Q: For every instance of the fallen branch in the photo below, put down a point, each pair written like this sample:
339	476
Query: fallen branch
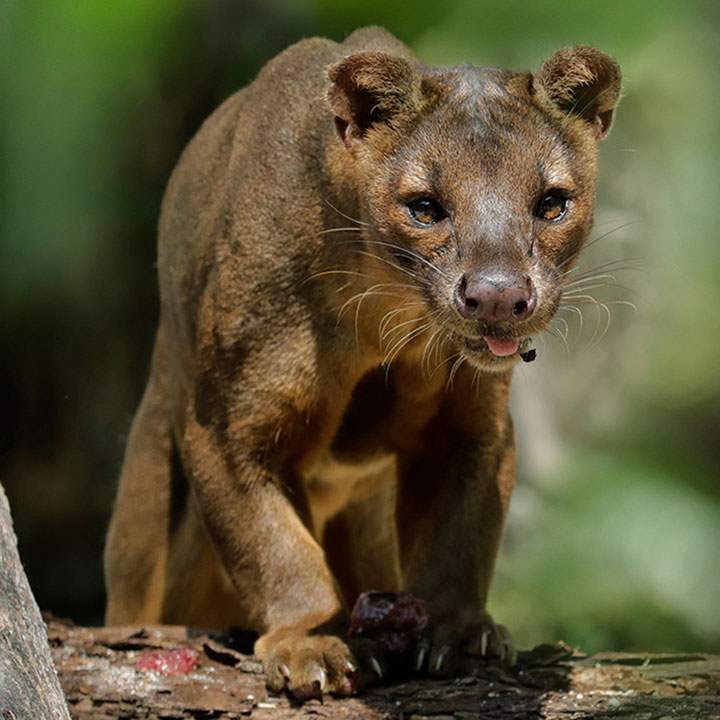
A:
101	672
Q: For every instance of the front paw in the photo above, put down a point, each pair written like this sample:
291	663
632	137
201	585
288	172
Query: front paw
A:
441	649
307	666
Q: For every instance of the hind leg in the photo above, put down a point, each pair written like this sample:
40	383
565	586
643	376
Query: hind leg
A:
197	589
160	566
136	546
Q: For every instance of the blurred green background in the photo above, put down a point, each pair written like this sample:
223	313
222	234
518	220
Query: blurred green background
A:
614	537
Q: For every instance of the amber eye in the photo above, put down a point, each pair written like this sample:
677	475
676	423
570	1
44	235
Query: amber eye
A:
426	211
552	206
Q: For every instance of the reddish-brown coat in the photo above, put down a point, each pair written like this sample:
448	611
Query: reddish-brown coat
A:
320	420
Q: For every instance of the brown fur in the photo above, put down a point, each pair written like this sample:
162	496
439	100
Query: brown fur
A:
316	422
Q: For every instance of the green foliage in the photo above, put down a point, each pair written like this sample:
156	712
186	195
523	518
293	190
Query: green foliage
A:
623	553
70	74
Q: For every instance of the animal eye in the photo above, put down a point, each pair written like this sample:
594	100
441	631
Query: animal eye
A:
552	206
426	211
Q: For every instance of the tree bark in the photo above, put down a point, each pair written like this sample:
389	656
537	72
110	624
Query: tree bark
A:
29	687
101	672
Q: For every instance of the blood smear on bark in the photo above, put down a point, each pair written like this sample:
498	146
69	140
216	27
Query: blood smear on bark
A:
170	662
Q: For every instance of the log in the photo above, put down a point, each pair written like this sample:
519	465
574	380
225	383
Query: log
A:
101	671
29	686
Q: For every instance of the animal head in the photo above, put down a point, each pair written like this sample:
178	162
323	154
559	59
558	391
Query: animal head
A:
477	184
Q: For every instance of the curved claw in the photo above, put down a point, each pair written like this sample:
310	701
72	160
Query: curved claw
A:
484	642
440	659
420	654
377	668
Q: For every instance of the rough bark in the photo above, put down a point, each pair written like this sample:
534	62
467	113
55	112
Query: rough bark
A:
29	686
99	670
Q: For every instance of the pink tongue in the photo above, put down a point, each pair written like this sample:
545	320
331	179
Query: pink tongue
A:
502	347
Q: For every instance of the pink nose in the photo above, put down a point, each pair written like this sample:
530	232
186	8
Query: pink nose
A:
495	298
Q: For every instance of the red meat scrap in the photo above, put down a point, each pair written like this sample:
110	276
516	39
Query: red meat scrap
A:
170	662
393	620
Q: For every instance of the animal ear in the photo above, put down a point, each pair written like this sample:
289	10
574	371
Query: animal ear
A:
370	88
581	81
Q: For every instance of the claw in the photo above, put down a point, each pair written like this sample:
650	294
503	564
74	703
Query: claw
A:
420	657
441	657
484	640
284	670
376	667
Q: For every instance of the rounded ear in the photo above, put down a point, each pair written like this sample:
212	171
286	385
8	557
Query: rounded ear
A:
580	81
369	88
